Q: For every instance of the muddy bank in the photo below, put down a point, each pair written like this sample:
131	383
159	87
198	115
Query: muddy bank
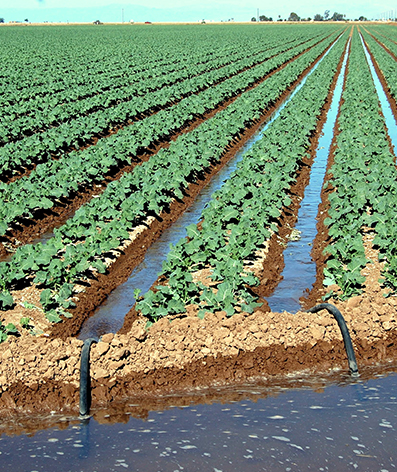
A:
181	354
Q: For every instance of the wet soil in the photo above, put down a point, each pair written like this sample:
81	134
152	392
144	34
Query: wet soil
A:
187	353
133	252
25	231
178	355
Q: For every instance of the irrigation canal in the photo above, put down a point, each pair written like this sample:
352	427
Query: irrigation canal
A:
332	423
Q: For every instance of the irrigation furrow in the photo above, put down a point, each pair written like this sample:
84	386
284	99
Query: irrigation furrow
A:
387	103
57	213
392	51
284	79
299	268
386	69
363	184
202	252
85	131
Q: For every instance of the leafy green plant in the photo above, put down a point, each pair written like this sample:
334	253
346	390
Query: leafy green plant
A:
6	330
25	322
77	248
243	214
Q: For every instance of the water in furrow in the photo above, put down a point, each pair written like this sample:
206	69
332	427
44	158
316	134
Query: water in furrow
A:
109	317
299	272
384	102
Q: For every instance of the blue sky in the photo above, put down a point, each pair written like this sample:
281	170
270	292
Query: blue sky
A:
179	10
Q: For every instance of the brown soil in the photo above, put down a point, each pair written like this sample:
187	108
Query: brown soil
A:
184	353
132	254
25	231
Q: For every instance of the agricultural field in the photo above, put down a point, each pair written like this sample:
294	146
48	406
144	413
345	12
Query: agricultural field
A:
109	134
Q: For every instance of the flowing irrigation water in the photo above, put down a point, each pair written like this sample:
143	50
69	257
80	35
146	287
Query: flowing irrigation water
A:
313	423
384	102
299	272
110	315
336	424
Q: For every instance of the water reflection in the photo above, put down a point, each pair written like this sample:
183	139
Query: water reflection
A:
384	103
324	423
122	298
299	273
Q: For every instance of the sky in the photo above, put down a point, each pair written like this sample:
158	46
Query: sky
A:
183	10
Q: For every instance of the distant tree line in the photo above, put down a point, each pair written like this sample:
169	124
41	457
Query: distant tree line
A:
317	17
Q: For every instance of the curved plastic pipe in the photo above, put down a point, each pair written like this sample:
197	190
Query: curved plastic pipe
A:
85	379
345	334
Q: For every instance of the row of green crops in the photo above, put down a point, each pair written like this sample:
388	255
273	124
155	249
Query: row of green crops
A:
102	225
364	179
200	75
385	36
97	69
386	63
55	179
79	58
39	147
94	79
104	78
244	212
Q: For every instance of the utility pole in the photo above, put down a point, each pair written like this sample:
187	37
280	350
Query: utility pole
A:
122	15
257	14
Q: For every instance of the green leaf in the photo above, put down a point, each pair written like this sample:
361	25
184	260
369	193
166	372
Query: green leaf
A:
53	317
6	300
3	228
201	314
25	322
10	328
46	299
